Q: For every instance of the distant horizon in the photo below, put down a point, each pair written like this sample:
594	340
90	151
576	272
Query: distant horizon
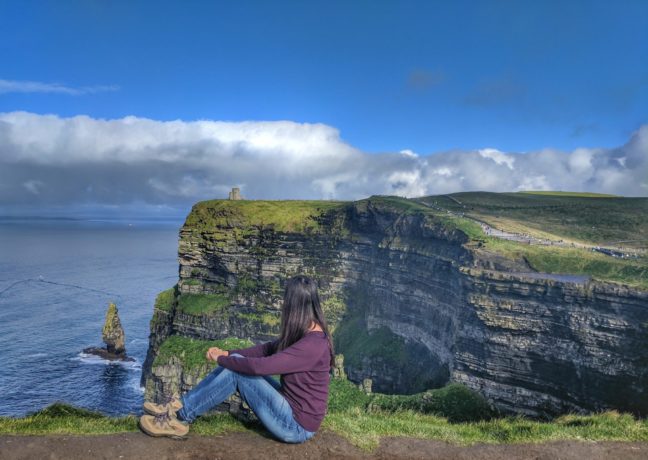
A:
145	108
181	215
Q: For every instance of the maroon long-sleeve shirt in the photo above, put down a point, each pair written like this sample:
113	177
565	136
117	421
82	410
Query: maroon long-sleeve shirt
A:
304	367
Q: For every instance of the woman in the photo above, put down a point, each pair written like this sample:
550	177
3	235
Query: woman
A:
293	408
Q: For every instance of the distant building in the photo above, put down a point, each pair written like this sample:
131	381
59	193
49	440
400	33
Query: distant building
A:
235	194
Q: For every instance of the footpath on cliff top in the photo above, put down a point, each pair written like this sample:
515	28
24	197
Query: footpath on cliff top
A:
325	445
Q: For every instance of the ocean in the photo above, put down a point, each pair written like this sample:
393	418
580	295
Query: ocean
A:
57	278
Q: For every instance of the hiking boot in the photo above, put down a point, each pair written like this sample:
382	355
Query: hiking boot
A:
169	405
163	425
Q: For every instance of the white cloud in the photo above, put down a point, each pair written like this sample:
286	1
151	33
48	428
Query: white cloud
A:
409	153
33	186
82	160
26	86
498	157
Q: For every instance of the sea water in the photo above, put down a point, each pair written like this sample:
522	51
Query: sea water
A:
57	278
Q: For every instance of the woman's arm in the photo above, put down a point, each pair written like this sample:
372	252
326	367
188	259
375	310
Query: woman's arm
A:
298	357
257	351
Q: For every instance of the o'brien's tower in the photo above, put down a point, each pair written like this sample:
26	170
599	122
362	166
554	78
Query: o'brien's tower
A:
235	194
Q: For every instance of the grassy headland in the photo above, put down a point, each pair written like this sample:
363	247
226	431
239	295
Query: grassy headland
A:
579	217
364	419
291	216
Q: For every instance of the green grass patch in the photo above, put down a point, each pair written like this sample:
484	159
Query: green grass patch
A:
581	217
203	304
361	427
456	402
345	395
191	282
406	206
550	259
393	203
60	418
334	308
247	285
63	419
164	300
365	429
561	193
289	216
191	352
266	318
353	339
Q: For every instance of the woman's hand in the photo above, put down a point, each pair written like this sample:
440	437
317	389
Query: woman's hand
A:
214	352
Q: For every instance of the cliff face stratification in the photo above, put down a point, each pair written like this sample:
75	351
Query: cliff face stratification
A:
414	302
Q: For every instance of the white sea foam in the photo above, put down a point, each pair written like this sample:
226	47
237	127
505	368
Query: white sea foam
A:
87	358
134	341
37	355
135	385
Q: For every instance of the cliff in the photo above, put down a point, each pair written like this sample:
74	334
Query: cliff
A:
416	297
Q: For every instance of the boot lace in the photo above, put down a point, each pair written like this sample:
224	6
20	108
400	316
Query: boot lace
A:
167	400
162	420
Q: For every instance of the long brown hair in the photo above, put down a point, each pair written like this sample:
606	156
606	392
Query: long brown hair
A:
301	307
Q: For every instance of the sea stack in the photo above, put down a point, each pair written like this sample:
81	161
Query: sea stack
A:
113	336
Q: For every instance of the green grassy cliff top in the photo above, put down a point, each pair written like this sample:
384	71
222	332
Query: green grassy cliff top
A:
285	216
568	218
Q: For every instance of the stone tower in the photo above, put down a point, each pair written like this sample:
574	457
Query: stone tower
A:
235	194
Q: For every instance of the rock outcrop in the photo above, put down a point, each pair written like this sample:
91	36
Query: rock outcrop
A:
414	303
113	336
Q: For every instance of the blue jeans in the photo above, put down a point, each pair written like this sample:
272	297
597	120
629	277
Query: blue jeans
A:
261	393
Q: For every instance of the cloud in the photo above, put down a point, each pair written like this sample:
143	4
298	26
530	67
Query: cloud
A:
25	86
498	157
421	79
47	161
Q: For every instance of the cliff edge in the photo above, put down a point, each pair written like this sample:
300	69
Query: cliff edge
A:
417	297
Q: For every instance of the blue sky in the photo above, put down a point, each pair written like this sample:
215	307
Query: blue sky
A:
159	104
428	76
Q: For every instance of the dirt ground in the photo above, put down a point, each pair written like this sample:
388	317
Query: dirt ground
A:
324	445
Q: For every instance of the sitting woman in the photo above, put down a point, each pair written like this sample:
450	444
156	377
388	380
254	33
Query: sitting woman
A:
293	408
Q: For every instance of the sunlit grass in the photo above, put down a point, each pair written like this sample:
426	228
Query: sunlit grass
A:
284	216
203	304
363	429
192	352
577	261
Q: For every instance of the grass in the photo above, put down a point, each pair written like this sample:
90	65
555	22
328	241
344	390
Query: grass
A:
550	259
454	401
63	419
572	216
269	319
164	300
60	418
581	217
290	216
361	427
203	304
365	429
334	308
356	342
452	414
561	193
191	352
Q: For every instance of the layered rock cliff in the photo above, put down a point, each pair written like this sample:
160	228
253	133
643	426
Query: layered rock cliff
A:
415	302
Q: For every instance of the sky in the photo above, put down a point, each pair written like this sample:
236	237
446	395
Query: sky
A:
149	106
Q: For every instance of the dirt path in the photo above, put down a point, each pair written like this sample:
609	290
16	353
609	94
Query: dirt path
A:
324	445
